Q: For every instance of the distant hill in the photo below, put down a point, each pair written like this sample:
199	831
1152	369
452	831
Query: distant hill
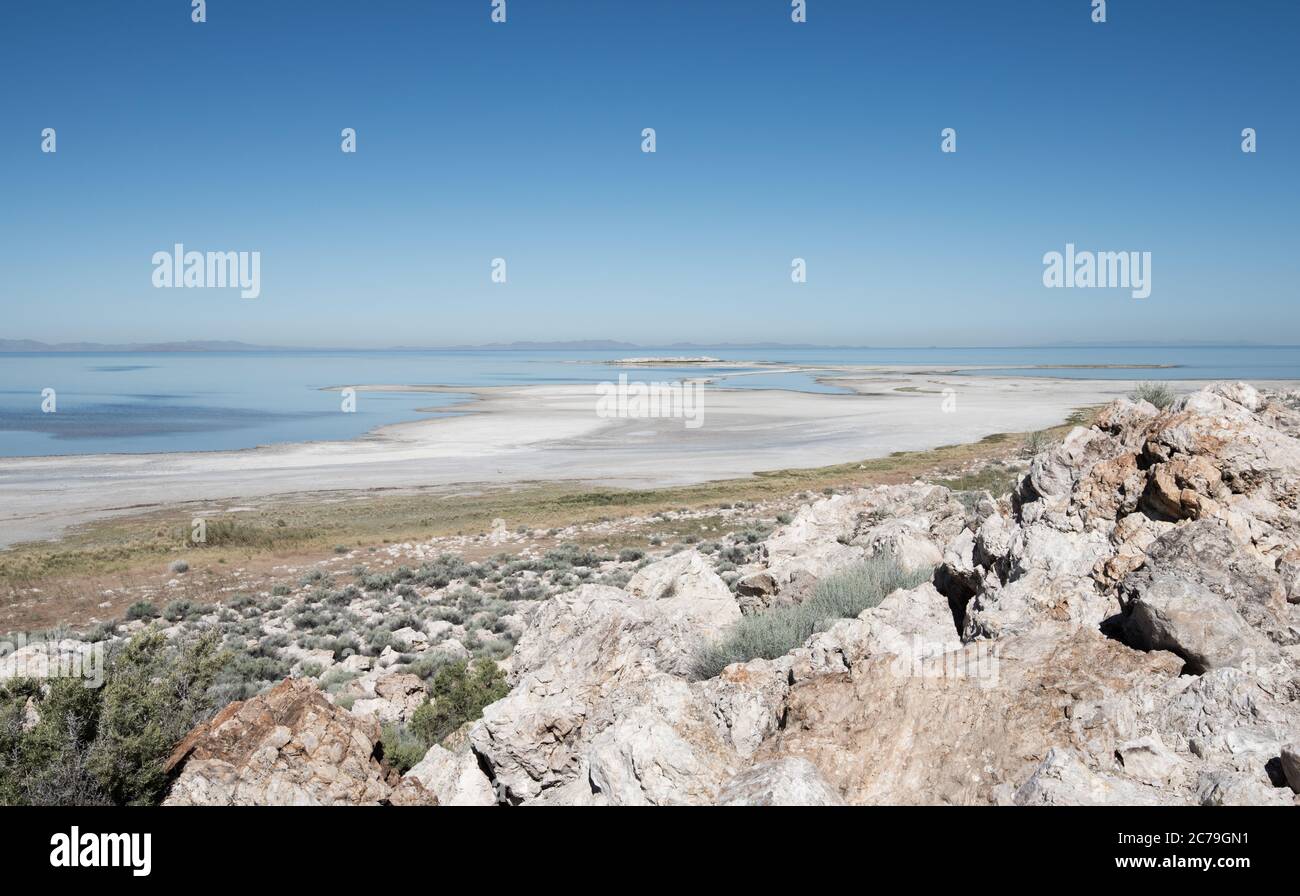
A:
746	345
574	346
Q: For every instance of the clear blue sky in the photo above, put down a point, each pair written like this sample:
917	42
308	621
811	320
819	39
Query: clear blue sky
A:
775	140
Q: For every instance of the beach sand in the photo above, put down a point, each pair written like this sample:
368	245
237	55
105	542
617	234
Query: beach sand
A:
552	433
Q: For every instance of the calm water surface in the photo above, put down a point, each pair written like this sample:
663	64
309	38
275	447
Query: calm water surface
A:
148	402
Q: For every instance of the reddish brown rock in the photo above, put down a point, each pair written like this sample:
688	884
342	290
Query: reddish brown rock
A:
289	746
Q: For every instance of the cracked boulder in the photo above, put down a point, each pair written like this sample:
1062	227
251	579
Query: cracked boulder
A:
287	747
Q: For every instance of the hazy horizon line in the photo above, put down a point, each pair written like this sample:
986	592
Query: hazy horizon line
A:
35	346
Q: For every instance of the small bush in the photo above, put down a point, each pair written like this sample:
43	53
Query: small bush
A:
1037	442
101	632
344	596
377	582
141	609
180	566
377	640
316	576
309	619
240	602
457	695
181	609
1161	395
402	749
733	554
570	555
247	673
775	633
335	679
426	665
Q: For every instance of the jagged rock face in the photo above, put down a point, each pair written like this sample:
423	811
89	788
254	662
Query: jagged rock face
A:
1063	780
585	651
665	750
1205	593
687	583
289	746
454	778
747	701
1222	452
600	696
1190	519
782	782
1149	761
1218	788
395	698
1132	503
952	727
667	609
1024	602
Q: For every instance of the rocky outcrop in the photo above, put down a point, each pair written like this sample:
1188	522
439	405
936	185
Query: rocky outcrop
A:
600	696
663	750
1119	629
287	747
1205	593
957	726
393	698
454	778
781	782
1116	631
1174	532
747	701
1149	761
1062	779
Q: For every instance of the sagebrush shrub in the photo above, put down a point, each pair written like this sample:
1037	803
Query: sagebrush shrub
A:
1161	395
841	595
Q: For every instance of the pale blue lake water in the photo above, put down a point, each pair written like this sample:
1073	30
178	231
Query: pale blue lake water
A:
149	402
